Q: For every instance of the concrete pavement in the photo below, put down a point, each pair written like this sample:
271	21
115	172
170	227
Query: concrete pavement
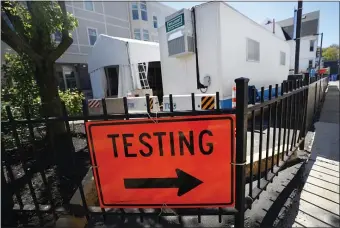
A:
319	200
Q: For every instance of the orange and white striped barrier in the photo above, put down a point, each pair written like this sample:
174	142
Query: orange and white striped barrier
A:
233	97
94	103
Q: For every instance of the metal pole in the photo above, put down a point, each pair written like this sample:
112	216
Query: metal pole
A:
241	148
297	39
320	51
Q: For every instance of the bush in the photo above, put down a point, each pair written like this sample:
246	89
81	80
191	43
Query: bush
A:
73	101
20	89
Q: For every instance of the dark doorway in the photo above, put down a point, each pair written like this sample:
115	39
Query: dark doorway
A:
155	80
112	81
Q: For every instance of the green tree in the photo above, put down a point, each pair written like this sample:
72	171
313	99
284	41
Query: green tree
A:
19	89
27	27
331	52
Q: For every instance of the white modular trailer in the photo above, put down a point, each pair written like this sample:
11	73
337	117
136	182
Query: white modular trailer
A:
123	53
229	45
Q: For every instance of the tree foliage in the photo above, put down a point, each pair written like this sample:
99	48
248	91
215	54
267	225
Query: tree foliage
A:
27	28
19	89
73	101
331	53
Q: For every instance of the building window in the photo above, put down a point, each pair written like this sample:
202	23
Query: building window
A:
57	36
67	81
253	50
135	15
146	35
70	80
89	5
136	33
282	58
311	45
155	24
92	35
143	10
310	63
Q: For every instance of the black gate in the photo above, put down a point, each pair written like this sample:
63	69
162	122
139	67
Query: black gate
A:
31	181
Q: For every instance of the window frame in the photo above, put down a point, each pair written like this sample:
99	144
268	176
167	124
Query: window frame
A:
147	32
247	49
143	10
311	47
153	21
132	9
134	34
310	65
284	59
64	78
88	35
93	10
72	76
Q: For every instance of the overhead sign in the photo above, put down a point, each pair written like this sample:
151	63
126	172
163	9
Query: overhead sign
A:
175	22
178	162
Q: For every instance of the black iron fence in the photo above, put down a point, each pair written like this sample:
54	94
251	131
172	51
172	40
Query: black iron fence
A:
267	134
284	119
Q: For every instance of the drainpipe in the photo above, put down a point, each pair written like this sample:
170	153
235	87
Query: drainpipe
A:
200	86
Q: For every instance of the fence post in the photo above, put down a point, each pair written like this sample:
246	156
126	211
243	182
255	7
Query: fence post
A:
6	201
305	106
241	147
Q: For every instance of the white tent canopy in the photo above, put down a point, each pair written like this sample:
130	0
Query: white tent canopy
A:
127	53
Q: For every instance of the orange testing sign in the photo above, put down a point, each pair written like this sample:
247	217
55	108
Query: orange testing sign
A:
178	161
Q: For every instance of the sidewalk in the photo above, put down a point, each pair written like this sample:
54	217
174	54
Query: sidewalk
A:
319	201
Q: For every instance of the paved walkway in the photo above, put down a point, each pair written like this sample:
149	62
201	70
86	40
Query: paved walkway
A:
320	198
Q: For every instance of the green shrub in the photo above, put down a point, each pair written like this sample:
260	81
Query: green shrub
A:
73	101
19	89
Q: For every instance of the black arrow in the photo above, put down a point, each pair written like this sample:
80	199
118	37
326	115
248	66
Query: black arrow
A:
184	182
